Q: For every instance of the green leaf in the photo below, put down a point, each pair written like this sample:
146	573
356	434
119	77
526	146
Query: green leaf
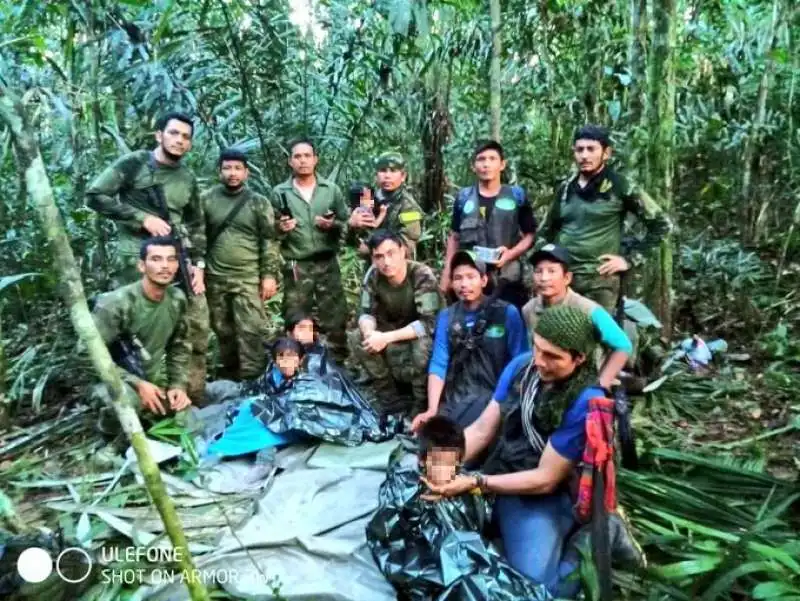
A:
400	16
614	109
771	590
683	569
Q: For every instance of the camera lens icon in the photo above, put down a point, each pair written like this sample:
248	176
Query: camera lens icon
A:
74	565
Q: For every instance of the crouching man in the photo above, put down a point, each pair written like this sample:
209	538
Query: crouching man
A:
398	310
536	428
145	326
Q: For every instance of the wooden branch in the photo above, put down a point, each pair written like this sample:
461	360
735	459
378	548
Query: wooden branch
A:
30	163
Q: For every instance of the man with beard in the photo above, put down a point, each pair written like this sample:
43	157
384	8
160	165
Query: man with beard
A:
474	340
150	318
496	217
242	272
588	216
312	221
398	310
127	193
396	208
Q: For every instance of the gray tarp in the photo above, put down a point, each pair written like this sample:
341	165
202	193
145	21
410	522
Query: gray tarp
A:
308	531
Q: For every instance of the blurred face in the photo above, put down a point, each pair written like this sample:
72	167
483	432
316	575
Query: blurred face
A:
390	179
488	165
468	283
441	464
551	279
303	332
554	363
160	265
233	174
389	258
288	363
303	160
176	139
590	156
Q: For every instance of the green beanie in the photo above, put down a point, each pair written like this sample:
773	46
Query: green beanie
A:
567	328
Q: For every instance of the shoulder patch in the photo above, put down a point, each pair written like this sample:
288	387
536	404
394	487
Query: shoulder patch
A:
409	216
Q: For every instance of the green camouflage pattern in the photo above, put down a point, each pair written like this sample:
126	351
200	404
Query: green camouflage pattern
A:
162	329
391	159
590	229
120	194
125	272
315	287
242	252
602	289
307	240
240	323
403	216
394	307
401	362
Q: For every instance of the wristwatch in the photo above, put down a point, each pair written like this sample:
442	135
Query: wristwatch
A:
200	264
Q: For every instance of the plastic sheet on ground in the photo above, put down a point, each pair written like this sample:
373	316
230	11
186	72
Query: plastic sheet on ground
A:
308	532
320	404
440	551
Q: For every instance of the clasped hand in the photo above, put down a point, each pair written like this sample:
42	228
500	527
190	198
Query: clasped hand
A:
153	398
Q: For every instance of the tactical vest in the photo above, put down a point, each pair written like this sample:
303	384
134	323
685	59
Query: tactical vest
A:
478	356
501	229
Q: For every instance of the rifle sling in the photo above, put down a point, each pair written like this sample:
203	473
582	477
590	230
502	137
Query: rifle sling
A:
215	234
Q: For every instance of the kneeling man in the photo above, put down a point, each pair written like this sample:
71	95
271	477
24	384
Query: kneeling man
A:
398	309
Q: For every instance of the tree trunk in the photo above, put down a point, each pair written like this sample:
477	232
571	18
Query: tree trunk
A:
30	163
661	104
495	71
5	402
637	98
435	131
752	215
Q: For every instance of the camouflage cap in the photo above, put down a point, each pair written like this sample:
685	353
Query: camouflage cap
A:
467	257
390	159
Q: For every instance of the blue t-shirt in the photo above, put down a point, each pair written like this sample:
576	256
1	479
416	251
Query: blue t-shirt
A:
516	338
569	438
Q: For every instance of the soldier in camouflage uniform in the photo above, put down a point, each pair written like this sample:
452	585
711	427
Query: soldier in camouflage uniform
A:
150	316
241	272
121	193
396	208
399	304
312	223
588	216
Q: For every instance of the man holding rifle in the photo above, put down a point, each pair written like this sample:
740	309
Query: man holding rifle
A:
150	193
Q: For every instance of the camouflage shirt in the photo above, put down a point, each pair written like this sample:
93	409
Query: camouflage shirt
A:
242	251
416	301
403	216
160	327
306	240
589	222
120	193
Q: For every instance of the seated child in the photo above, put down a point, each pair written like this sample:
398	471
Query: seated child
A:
287	358
442	446
302	327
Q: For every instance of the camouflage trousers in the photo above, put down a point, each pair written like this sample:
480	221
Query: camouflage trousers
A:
404	363
604	290
314	286
125	273
239	321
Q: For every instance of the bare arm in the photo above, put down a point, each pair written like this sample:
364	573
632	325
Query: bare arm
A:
450	250
482	432
553	469
611	368
435	388
519	248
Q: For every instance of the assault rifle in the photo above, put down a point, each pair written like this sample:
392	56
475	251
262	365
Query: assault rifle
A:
622	404
285	210
155	194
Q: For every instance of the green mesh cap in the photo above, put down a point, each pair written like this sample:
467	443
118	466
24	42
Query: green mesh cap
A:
467	257
391	159
567	328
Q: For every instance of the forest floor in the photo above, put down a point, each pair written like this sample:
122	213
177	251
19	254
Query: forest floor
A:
717	486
